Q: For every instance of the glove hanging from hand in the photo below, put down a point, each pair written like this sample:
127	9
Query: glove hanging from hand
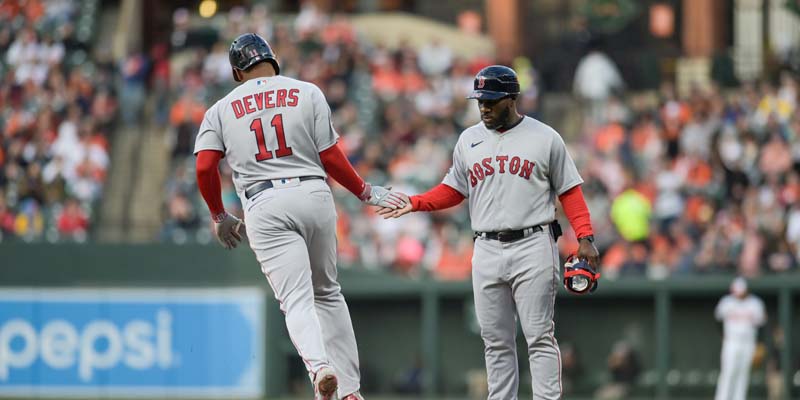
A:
579	277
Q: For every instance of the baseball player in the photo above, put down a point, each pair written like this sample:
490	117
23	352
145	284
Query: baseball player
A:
512	168
277	136
741	314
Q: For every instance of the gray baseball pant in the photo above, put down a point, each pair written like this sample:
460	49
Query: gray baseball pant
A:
518	280
292	230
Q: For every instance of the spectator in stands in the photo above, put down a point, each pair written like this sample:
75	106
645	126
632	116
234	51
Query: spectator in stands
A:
571	368
159	82
630	212
73	222
624	367
409	381
435	58
185	117
6	218
596	79
134	70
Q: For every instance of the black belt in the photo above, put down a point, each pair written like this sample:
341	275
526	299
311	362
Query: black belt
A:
510	236
259	187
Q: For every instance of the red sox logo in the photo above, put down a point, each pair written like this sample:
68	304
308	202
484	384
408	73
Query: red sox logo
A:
481	82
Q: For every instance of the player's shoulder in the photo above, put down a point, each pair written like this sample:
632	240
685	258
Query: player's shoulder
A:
755	299
214	109
308	90
235	93
474	129
473	132
540	128
286	81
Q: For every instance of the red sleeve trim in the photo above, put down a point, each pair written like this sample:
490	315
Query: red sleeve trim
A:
339	168
438	198
577	212
208	180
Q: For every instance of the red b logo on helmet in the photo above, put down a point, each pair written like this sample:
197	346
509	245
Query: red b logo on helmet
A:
481	82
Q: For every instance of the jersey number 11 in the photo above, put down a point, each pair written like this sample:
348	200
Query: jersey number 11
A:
264	153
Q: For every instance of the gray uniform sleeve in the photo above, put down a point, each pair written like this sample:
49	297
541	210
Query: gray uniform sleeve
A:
721	310
563	172
456	178
209	137
324	134
761	316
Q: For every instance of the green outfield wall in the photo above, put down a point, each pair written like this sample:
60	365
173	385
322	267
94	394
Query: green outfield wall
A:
401	322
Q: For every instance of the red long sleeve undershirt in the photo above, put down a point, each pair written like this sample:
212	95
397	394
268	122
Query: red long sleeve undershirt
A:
339	168
577	212
208	180
443	196
438	198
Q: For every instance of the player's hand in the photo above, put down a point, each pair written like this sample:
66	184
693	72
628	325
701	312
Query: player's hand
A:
387	213
383	197
587	251
228	231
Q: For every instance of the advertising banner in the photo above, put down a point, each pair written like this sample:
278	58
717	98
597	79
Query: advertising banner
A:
119	342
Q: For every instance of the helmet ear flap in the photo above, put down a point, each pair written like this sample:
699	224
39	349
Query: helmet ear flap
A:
236	75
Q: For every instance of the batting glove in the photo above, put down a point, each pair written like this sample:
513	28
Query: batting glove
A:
227	229
382	197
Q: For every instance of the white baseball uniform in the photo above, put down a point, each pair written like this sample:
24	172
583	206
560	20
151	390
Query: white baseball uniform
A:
741	319
512	180
274	129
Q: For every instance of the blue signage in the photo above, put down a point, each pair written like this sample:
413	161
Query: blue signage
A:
132	342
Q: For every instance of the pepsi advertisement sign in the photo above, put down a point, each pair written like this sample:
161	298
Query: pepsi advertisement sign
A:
132	342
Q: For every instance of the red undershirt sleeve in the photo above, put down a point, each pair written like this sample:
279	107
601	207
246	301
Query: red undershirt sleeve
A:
339	168
208	180
577	212
438	198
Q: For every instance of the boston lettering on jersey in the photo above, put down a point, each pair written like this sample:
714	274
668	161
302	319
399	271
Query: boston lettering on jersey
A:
516	166
261	100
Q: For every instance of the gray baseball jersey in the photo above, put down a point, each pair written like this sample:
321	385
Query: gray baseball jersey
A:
274	129
513	178
269	119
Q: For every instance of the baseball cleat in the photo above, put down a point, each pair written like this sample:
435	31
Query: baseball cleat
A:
325	384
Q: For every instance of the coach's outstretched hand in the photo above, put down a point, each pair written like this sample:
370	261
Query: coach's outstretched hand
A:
394	213
228	232
383	197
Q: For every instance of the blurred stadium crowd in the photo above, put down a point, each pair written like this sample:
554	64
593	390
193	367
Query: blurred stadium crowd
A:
699	182
57	112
